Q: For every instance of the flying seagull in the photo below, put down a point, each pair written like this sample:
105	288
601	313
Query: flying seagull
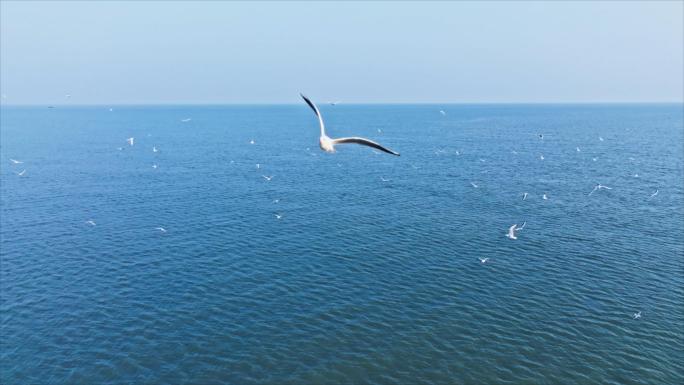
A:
484	260
327	144
130	141
442	112
163	230
92	223
511	232
14	161
599	187
544	197
278	216
524	196
186	120
652	195
637	315
21	173
268	177
154	149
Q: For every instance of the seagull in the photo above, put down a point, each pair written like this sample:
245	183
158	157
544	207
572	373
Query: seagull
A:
163	230
594	159
514	152
652	195
636	175
278	216
251	141
578	149
92	223
130	141
511	232
268	177
600	138
327	144
258	165
524	196
484	260
186	120
541	156
14	161
385	180
521	227
637	315
482	160
120	148
154	166
276	200
458	152
599	187
545	197
473	184
154	149
442	112
21	173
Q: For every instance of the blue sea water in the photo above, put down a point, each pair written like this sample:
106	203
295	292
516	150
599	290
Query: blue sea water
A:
362	280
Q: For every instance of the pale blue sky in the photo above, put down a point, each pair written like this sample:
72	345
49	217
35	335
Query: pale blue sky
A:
231	52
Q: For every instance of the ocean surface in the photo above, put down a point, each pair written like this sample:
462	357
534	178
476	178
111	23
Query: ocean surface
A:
372	274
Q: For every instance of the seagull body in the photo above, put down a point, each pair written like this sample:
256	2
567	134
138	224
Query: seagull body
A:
594	159
92	223
154	166
524	196
251	141
511	232
327	144
442	112
186	120
544	197
474	185
14	161
154	149
130	141
600	187
163	230
484	260
278	216
22	173
600	138
652	195
541	157
385	180
637	315
268	177
578	149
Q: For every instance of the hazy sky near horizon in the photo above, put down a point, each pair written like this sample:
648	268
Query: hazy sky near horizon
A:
267	52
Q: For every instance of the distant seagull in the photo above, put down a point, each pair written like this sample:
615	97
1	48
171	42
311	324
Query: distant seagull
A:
442	112
154	166
268	177
636	175
278	216
258	166
458	152
637	315
379	131
21	173
514	152
524	196
578	149
600	187
154	149
251	141
161	229
92	223
130	141
594	159
120	148
511	232
14	161
186	120
544	197
541	156
600	138
652	195
327	144
482	160
385	180
276	200
474	185
484	260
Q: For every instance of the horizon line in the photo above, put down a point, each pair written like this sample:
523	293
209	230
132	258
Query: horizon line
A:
2	104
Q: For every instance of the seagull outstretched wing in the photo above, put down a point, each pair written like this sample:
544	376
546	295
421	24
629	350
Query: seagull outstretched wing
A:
365	142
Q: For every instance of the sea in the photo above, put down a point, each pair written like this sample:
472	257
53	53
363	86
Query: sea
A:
187	265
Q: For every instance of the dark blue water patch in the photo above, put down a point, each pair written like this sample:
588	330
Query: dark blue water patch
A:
371	274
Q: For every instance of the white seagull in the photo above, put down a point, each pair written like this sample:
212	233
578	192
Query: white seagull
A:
600	187
130	141
154	165
92	223
186	120
268	177
442	112
541	156
474	185
578	149
511	232
278	216
327	144
544	197
163	230
652	195
14	161
484	260
600	138
385	180
251	141
154	149
22	173
637	315
524	196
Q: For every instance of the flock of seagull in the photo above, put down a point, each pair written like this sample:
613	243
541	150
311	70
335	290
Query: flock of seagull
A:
328	144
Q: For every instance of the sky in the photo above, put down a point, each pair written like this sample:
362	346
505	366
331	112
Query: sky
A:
124	52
